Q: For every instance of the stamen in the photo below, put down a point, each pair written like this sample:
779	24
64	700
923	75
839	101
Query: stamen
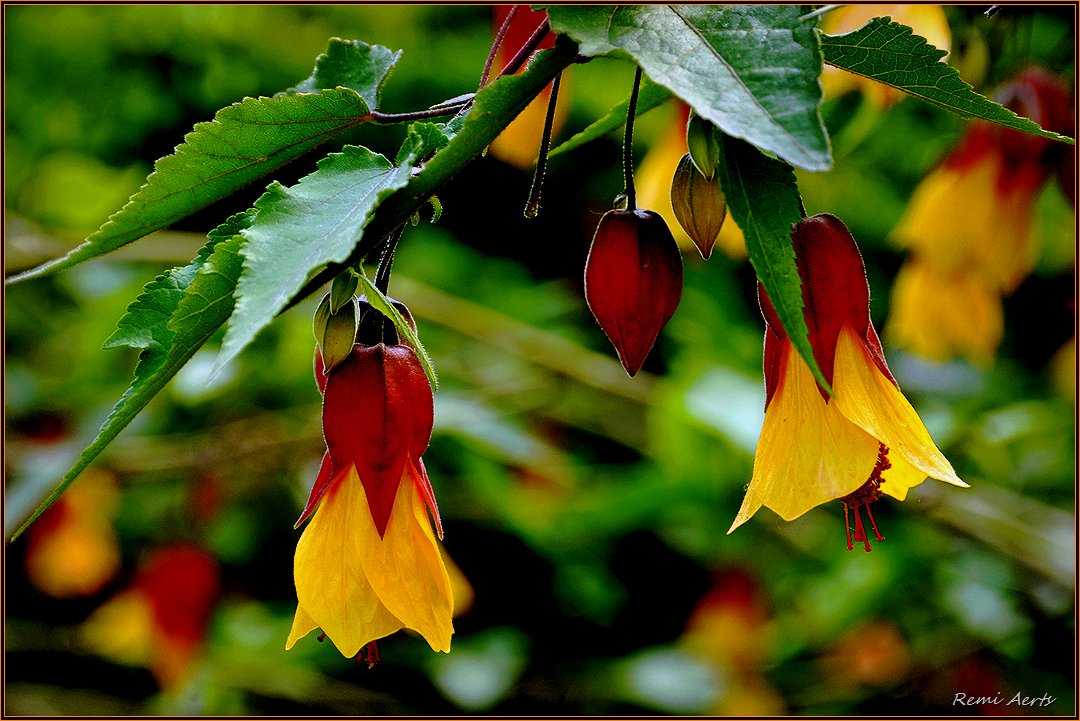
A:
370	654
322	637
864	496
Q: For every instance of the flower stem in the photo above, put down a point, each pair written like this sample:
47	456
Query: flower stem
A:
386	262
497	43
437	112
628	145
532	208
527	49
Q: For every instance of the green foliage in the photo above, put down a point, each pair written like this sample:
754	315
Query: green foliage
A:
301	229
650	96
891	53
244	142
175	315
351	64
764	201
750	70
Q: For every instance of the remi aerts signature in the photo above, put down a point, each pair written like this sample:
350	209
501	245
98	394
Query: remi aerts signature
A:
963	699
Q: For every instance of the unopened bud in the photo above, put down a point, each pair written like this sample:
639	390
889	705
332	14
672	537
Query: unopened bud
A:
342	289
703	145
699	205
633	281
339	335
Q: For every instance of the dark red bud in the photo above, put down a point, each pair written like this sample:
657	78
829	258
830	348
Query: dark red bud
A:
633	281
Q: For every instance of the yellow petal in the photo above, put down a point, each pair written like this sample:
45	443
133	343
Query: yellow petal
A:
939	315
302	625
991	238
900	478
406	569
121	629
332	589
808	453
872	402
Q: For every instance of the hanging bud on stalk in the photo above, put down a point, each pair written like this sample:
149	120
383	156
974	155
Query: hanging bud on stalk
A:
633	281
699	205
335	332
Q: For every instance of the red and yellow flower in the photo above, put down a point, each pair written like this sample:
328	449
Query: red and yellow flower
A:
368	563
947	300
865	440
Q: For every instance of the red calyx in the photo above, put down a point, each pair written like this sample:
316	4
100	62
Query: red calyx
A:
633	281
377	415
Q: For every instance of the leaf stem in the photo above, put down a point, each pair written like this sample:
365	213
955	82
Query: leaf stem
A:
628	144
533	206
436	112
497	43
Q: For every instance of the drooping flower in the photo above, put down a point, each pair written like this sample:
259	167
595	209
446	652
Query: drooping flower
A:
368	564
969	224
160	621
864	441
73	550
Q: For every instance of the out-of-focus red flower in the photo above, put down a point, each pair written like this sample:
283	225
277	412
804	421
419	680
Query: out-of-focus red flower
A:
969	227
368	563
72	549
865	440
161	619
519	143
871	654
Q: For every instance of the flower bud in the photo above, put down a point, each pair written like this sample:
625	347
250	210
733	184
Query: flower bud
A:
633	281
699	205
342	289
335	332
703	145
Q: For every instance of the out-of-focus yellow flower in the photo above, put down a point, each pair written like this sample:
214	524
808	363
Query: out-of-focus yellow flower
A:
864	441
970	214
653	183
924	322
519	143
969	228
368	564
161	619
72	549
927	21
730	628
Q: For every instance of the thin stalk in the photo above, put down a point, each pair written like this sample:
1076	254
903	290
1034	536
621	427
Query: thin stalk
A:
386	262
532	208
527	49
389	118
497	44
628	145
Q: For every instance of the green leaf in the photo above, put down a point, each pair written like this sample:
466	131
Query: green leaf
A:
750	70
351	64
381	303
764	201
891	53
650	96
175	315
245	141
301	229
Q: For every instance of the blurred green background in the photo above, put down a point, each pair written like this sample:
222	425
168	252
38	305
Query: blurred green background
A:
587	511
